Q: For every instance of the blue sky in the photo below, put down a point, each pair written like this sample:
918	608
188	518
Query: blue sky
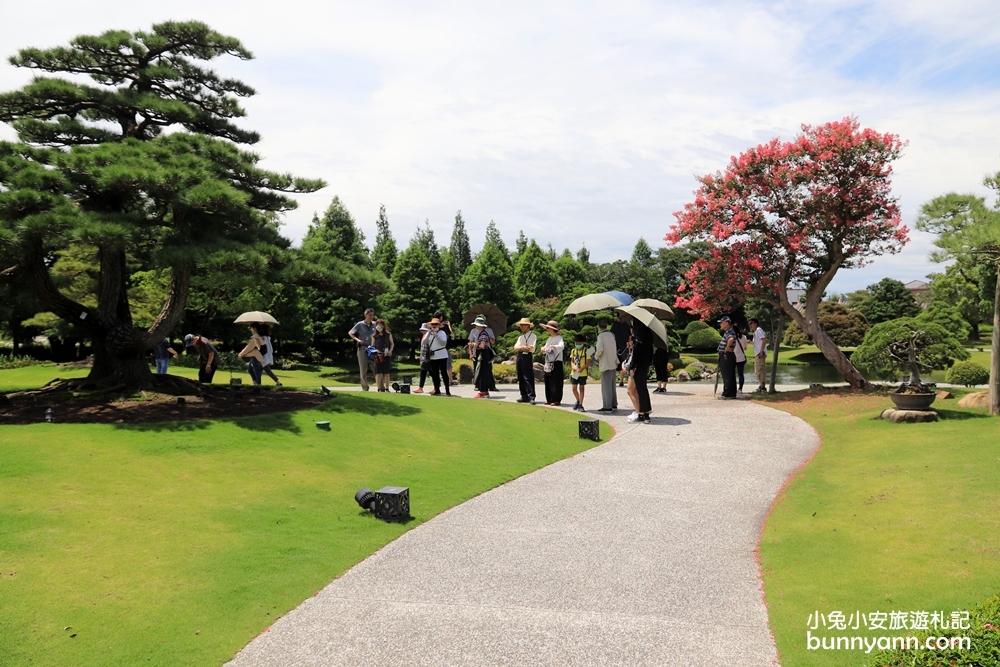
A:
581	122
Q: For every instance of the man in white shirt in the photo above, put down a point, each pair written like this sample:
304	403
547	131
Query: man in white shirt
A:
759	353
525	349
607	358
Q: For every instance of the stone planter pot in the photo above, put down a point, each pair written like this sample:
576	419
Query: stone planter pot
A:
913	401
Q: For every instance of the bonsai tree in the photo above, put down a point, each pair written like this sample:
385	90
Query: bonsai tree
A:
908	345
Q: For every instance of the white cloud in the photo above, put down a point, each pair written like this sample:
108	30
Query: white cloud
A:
581	122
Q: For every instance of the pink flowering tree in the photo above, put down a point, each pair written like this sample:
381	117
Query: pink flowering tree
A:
792	214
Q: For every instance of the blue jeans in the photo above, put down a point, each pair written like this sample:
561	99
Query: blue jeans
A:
161	366
254	369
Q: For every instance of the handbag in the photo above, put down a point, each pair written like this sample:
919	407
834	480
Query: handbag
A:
263	349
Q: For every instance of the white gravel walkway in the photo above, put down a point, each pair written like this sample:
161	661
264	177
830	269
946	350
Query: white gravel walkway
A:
638	552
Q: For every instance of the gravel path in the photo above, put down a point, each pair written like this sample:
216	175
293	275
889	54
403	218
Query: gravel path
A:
638	552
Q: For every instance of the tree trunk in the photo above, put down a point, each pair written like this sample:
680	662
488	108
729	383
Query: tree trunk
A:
777	347
995	351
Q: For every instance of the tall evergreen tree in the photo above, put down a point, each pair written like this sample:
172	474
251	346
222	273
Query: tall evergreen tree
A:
385	252
490	278
96	163
888	299
535	274
460	250
336	234
521	244
642	254
417	294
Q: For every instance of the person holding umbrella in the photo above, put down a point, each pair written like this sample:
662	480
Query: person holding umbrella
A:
642	357
254	351
554	371
525	348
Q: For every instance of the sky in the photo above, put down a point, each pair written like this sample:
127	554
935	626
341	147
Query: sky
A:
579	122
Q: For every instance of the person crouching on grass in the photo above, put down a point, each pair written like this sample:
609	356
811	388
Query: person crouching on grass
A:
579	364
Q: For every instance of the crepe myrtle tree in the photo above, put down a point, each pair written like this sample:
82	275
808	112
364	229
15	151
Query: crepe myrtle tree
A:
94	165
792	214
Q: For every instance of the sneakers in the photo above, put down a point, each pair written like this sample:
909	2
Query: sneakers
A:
521	400
644	418
418	390
481	394
760	390
634	418
578	407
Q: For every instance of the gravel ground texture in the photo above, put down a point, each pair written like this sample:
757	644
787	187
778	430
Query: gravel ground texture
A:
641	551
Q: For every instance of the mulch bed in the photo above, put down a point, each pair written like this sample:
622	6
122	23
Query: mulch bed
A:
217	403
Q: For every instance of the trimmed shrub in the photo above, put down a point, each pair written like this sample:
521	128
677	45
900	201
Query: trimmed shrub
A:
968	373
984	643
17	361
704	339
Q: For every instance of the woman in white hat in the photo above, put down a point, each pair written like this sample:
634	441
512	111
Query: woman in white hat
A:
481	340
435	348
525	349
554	372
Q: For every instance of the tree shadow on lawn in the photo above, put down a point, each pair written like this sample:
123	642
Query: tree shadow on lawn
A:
959	415
344	402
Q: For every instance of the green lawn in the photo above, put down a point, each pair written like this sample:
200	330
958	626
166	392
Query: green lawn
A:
31	377
884	518
176	543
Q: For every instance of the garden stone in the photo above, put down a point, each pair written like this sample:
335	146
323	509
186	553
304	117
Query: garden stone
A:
539	372
465	374
980	399
683	376
945	394
908	416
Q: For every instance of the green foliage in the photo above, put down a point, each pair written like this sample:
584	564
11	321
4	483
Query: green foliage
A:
887	346
948	317
417	294
967	285
535	274
490	278
17	361
704	339
570	274
385	252
336	234
642	254
794	336
460	249
690	328
983	649
888	299
968	373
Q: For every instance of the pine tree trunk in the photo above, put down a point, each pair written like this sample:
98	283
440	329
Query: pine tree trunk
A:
120	359
995	351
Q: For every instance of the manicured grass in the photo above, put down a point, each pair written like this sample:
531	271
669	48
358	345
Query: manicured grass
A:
886	517
176	543
32	377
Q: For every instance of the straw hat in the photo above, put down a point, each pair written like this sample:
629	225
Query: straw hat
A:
524	320
434	321
551	325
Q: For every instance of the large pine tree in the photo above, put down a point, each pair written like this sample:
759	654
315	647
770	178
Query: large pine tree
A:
95	166
385	252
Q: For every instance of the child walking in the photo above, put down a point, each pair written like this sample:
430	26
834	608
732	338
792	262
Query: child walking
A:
579	364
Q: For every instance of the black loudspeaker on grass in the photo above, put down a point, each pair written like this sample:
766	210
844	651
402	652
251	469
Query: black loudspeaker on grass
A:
390	503
590	429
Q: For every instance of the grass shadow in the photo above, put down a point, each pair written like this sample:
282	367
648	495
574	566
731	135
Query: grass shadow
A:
960	415
171	426
371	516
269	423
345	402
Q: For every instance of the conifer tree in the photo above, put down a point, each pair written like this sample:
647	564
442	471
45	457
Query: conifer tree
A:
385	252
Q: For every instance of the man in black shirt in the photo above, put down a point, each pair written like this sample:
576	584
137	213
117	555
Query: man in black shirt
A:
622	332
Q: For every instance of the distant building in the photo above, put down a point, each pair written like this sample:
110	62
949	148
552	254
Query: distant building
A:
795	297
920	290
